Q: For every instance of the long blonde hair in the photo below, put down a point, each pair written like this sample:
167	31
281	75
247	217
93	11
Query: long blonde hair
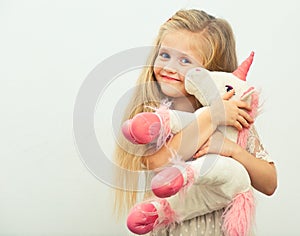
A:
214	40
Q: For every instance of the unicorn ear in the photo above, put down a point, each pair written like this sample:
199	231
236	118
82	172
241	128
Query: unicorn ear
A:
242	70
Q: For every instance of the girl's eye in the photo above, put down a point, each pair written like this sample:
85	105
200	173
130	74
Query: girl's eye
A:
185	61
165	55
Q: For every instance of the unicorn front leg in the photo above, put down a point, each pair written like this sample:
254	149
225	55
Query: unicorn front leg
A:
155	128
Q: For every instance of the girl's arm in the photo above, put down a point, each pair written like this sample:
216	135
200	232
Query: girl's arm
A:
185	142
262	172
256	160
193	136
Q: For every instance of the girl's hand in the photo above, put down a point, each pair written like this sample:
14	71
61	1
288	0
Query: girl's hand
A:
232	113
217	144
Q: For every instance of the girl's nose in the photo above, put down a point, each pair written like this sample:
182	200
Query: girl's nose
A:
171	67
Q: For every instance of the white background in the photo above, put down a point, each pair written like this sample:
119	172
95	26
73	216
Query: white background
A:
47	48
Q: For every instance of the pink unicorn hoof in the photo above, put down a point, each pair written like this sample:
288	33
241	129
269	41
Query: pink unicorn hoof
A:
142	218
167	182
126	131
142	128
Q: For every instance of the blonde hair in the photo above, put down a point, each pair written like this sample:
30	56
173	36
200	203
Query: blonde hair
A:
214	40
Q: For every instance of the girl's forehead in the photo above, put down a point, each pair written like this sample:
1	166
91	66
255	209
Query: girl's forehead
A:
183	42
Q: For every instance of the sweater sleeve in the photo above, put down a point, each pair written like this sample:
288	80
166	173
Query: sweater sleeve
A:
255	147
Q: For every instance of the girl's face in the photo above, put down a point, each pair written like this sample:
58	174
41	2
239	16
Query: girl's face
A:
175	58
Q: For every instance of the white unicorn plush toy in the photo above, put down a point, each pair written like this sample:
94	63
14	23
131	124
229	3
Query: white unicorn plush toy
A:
225	184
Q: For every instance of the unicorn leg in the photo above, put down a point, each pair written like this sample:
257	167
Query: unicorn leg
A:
143	128
150	216
226	184
171	180
219	182
156	127
175	178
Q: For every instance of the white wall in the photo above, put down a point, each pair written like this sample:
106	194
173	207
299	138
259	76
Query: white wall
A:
47	48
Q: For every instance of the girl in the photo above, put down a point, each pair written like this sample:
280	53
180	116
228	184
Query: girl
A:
191	38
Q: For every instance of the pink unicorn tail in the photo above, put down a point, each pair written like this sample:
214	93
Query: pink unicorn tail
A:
239	214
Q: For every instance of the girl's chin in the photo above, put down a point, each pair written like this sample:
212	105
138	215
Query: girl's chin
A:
172	90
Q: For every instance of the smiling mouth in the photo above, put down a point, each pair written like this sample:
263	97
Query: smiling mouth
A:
170	78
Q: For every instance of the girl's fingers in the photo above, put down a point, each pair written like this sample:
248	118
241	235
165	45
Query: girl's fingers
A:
246	116
228	95
244	105
196	155
238	125
200	153
243	121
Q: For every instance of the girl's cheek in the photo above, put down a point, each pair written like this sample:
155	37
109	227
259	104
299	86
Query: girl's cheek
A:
183	72
159	63
182	77
156	70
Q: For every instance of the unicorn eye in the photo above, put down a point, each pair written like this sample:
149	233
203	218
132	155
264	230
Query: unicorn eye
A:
228	87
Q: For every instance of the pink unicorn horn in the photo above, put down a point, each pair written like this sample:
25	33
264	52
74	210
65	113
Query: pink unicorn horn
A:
242	70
